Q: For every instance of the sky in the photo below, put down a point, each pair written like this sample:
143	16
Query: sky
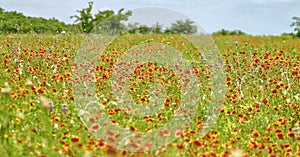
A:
256	17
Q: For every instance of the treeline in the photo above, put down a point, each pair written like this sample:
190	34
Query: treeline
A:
106	21
14	22
225	32
110	22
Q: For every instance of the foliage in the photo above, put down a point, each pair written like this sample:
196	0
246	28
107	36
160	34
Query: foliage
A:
14	22
296	26
110	23
225	32
144	29
85	19
106	21
113	24
182	27
179	27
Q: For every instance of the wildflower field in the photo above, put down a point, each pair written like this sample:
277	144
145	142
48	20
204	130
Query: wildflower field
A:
259	115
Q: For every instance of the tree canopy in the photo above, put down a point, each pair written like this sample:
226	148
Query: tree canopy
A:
225	32
106	20
85	18
14	22
183	27
296	25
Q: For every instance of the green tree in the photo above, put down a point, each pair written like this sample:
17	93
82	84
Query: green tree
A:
225	32
132	27
14	22
222	32
296	25
157	28
106	21
85	18
111	23
182	27
102	15
144	29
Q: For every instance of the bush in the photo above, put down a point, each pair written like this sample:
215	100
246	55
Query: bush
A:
225	32
14	22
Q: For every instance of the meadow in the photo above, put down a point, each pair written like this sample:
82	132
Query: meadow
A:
258	117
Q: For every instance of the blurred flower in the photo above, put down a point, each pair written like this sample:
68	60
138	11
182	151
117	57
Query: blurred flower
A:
203	59
6	88
280	136
46	102
20	115
64	108
237	153
75	139
296	130
55	126
81	112
95	127
180	58
28	83
236	42
296	97
51	106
